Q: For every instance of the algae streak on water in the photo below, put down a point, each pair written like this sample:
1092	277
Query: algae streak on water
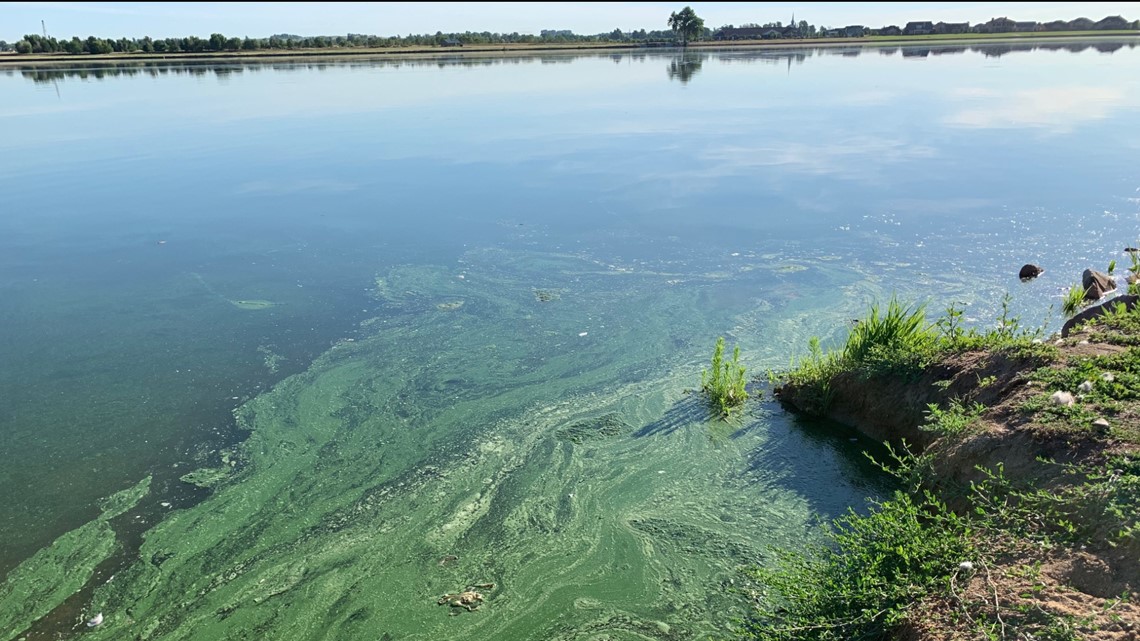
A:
484	444
56	572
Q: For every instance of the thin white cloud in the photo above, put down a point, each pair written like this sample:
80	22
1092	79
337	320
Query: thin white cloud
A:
1057	109
317	186
858	157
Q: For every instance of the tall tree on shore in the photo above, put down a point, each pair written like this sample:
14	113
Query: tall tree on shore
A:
686	24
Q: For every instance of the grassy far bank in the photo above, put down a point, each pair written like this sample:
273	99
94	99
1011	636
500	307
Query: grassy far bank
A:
1018	513
11	58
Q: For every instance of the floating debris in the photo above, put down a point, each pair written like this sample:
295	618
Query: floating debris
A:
96	620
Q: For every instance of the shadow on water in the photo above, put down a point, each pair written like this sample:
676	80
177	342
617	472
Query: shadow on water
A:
803	454
690	409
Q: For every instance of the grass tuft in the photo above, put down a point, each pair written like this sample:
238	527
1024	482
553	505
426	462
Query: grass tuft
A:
724	381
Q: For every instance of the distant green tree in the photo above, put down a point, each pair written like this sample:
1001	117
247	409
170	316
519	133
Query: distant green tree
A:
23	46
686	24
4	46
217	42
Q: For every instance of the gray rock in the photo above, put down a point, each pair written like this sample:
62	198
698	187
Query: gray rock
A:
1096	284
1129	301
1029	272
1100	422
1063	398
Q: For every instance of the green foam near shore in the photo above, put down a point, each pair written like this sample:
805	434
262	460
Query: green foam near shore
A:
56	572
551	450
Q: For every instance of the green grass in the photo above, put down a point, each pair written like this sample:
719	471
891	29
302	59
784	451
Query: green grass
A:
1112	392
900	341
954	420
724	381
861	582
1074	300
875	571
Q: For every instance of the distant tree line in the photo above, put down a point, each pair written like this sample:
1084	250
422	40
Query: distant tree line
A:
33	43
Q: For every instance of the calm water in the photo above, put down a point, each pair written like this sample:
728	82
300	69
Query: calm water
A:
481	286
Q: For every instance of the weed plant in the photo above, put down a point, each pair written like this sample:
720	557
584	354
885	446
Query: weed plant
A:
1074	300
900	342
873	571
724	381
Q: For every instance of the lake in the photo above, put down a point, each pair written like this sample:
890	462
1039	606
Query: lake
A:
292	349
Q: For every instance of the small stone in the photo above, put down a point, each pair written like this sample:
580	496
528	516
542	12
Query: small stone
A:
966	566
1063	398
1085	387
95	621
1037	341
1101	423
1084	342
1058	342
1107	377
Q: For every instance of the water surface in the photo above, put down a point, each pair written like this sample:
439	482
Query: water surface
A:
490	282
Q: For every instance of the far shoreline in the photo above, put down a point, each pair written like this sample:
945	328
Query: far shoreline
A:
9	60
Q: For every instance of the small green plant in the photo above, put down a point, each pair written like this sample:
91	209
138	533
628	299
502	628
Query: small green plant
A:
1074	300
1111	267
954	419
724	381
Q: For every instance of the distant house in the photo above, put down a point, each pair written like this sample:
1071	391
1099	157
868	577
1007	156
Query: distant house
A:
1025	26
833	33
952	27
918	28
740	33
997	25
1113	22
772	34
855	31
1056	25
1081	24
891	30
451	42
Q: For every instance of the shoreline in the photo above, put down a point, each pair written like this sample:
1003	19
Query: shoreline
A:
1018	452
15	60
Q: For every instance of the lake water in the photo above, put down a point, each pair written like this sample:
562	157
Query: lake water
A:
457	305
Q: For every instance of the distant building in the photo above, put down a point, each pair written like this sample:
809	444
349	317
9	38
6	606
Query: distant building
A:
918	28
891	30
451	42
1056	25
855	31
1081	24
740	33
997	25
952	27
1113	22
1025	26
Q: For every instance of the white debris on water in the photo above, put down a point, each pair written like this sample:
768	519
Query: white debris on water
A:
95	620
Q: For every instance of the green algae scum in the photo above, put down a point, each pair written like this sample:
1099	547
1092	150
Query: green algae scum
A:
546	453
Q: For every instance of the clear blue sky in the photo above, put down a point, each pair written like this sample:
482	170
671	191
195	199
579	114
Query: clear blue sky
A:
116	19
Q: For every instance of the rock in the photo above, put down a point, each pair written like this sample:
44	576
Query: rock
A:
1096	284
1063	398
1131	250
966	566
1029	272
1108	377
1101	423
1085	387
95	621
1129	301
